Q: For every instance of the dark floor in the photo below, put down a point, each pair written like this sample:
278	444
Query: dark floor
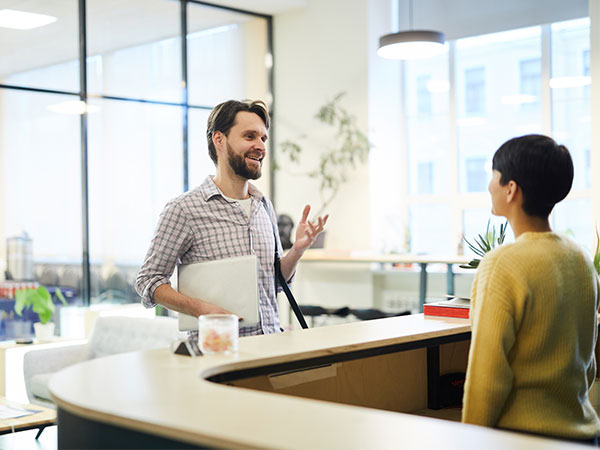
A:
25	440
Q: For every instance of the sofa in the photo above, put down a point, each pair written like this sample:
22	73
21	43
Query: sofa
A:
110	335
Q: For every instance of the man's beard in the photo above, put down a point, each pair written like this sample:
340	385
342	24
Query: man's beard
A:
240	167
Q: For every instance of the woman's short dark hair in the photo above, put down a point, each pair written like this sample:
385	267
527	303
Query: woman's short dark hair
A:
222	118
542	168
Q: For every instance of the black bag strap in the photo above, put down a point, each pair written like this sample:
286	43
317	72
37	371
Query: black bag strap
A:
279	276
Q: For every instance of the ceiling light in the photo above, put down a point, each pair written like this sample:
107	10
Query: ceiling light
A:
569	82
411	44
72	107
21	20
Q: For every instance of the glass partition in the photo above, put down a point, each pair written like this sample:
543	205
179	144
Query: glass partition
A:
134	169
134	52
39	44
227	56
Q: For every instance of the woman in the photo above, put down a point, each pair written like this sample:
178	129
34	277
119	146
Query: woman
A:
534	304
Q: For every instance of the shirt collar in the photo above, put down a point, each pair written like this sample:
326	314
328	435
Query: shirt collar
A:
209	189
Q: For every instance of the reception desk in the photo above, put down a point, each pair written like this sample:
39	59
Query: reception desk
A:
348	386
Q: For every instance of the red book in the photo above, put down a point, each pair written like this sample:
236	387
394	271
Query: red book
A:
456	307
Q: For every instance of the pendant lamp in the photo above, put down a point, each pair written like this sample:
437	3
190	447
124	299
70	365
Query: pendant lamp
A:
411	44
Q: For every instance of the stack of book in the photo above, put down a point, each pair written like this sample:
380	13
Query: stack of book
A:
453	307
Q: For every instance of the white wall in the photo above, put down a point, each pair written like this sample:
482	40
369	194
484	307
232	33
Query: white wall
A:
319	51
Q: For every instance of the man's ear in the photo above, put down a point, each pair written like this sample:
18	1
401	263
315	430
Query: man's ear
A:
218	139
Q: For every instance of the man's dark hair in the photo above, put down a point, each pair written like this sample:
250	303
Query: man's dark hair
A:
222	118
542	168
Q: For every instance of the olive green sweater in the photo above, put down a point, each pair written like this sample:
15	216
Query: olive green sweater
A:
534	326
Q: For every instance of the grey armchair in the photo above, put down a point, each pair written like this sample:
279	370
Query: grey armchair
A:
109	336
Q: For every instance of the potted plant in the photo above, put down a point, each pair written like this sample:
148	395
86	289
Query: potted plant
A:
331	167
485	243
40	301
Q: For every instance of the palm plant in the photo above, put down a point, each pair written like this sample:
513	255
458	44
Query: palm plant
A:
485	243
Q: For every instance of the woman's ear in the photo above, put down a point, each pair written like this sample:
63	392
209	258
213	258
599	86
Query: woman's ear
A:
512	191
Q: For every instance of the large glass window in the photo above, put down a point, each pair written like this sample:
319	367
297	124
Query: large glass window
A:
142	62
39	44
499	90
427	112
132	141
227	56
200	164
570	82
489	94
134	169
40	173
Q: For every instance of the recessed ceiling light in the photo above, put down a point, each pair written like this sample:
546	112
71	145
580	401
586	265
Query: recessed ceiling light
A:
21	20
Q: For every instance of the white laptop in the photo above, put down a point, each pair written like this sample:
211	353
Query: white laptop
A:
231	283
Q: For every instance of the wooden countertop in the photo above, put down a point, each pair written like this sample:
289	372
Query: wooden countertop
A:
161	393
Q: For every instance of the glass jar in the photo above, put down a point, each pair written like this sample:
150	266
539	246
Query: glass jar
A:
218	333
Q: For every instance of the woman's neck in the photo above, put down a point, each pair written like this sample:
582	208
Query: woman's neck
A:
523	223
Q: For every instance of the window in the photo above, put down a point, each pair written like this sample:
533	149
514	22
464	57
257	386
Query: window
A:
570	83
530	75
476	176
495	94
144	138
425	177
475	91
423	95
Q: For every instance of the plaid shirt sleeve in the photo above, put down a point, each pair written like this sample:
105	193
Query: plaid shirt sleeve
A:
172	239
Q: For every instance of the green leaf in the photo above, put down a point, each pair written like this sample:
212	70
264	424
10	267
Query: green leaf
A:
60	296
39	300
20	301
44	294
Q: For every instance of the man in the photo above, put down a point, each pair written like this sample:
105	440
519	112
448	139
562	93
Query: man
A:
226	216
534	306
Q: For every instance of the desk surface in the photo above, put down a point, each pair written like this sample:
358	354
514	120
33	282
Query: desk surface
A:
44	416
161	393
317	255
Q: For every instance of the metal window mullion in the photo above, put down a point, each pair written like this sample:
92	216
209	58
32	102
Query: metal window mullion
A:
270	87
546	92
457	199
85	231
184	93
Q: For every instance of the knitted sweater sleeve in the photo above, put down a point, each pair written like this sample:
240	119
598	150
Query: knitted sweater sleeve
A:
489	376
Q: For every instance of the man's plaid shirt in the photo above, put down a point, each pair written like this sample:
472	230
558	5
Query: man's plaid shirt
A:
202	225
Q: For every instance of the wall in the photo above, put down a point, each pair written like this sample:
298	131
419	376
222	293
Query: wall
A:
319	52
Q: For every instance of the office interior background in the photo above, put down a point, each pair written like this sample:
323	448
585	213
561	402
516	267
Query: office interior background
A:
88	188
